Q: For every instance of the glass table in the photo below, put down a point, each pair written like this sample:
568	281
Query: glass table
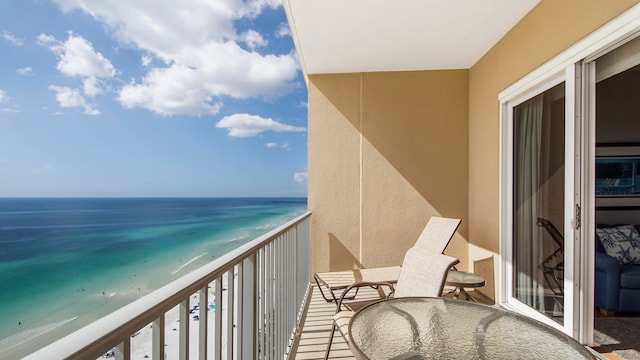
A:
436	328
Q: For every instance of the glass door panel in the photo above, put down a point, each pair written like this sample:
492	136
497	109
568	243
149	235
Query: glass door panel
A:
539	203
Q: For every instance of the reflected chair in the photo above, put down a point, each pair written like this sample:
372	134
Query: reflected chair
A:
433	240
552	266
422	274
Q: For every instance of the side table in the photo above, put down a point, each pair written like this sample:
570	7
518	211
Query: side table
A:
461	280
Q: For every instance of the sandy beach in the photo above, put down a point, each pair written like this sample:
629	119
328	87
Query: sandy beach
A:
141	341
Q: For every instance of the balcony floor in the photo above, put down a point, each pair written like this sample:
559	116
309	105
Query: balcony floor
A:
314	335
311	342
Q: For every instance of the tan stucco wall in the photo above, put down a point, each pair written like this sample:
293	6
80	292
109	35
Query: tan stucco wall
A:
550	28
386	152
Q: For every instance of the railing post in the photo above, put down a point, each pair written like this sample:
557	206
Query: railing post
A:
248	323
203	325
230	311
157	342
269	329
123	350
217	322
183	346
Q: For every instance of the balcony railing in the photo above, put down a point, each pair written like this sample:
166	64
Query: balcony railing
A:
249	303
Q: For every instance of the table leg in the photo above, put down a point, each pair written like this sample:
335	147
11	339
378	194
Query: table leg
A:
460	290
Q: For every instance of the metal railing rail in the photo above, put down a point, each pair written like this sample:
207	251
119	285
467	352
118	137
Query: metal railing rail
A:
259	288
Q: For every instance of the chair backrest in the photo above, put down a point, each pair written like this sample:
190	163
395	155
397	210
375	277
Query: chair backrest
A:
423	274
437	234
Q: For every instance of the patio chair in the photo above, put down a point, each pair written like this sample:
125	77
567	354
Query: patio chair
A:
433	240
422	275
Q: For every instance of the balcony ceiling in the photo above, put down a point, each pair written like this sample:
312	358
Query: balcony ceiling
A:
337	36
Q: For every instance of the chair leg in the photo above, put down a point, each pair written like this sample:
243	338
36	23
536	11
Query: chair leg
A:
333	331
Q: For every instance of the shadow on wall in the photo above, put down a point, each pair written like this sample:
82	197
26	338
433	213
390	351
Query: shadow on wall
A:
340	256
418	121
485	268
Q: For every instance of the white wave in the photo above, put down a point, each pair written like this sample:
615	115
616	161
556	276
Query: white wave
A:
187	263
29	334
239	238
266	226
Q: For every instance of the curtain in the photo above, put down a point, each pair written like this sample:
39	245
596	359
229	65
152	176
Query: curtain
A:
529	174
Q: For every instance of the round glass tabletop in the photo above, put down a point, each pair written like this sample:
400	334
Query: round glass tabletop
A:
436	328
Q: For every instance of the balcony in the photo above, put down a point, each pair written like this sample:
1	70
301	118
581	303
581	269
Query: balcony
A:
254	303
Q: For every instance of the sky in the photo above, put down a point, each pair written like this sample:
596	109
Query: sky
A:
145	98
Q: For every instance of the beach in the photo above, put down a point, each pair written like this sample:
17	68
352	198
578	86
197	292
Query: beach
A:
141	341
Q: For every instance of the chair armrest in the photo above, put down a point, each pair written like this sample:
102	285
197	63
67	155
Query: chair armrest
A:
357	286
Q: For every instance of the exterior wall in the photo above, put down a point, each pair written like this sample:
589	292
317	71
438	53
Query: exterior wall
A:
550	28
386	152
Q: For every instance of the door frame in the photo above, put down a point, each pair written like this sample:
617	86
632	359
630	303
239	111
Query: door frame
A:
578	75
566	76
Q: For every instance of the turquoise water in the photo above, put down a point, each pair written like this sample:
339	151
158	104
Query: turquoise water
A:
67	262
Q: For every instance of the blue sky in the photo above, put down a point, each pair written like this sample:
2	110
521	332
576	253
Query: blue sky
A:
150	98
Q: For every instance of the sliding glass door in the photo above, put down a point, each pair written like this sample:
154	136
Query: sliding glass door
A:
538	196
549	142
541	202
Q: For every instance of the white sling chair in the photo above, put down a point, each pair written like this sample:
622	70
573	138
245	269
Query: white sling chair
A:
433	240
422	274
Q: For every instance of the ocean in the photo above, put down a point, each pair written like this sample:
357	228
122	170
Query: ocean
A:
67	262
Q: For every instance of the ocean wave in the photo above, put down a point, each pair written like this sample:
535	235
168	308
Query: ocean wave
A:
266	226
27	335
239	238
188	263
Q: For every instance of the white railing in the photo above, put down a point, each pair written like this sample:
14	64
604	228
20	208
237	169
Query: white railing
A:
251	300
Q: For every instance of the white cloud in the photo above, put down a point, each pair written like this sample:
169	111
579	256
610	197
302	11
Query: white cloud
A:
70	98
145	60
91	86
215	70
3	96
283	30
301	177
170	91
44	39
25	71
284	145
78	58
12	38
198	44
253	39
13	108
246	125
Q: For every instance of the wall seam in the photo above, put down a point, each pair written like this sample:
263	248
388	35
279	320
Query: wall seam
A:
360	255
